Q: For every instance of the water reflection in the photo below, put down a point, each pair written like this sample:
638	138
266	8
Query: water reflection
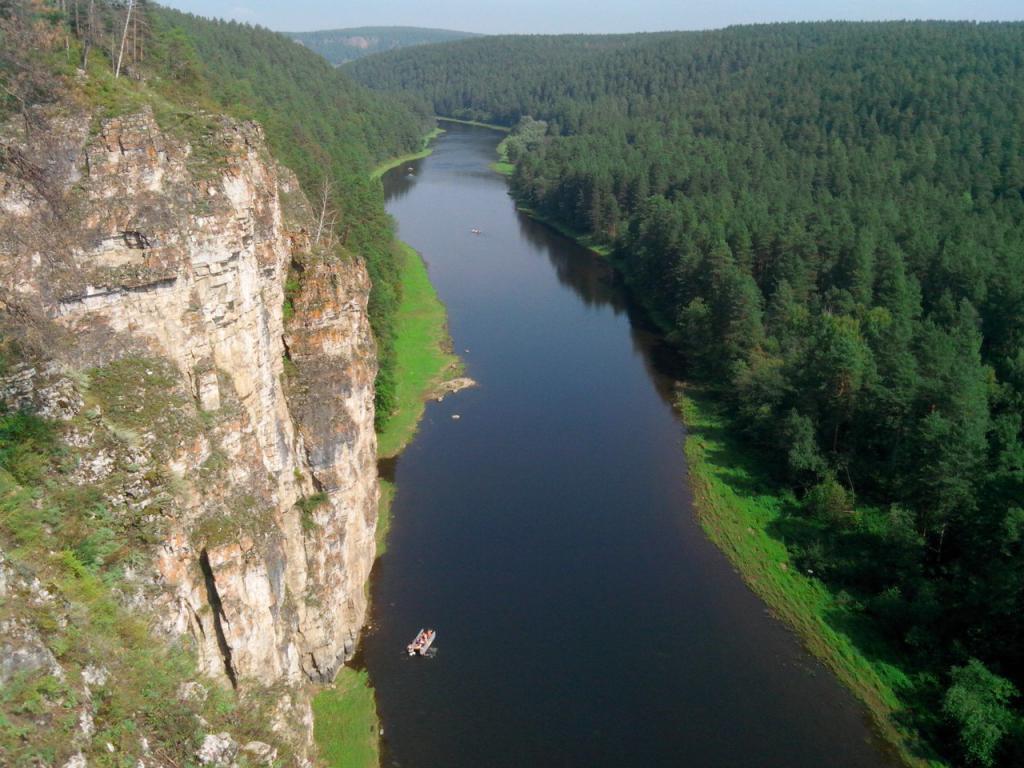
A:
598	284
401	181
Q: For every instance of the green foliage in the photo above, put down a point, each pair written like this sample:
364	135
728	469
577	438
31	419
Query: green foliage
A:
291	290
307	505
829	501
25	444
977	704
527	135
829	219
345	722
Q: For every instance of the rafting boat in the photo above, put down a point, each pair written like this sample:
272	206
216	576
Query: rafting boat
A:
423	641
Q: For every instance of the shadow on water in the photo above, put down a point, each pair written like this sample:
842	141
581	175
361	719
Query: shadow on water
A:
598	284
401	180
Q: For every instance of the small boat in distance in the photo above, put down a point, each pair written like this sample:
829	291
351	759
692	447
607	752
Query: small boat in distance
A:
423	641
475	231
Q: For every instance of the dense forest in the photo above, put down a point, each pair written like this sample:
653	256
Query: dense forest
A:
341	45
829	219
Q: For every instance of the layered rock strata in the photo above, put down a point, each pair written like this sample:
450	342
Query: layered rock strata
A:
157	263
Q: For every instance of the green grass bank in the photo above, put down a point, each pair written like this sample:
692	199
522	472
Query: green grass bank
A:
740	509
422	350
394	162
346	728
387	495
586	241
503	165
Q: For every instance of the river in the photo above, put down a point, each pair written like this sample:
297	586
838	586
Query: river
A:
583	617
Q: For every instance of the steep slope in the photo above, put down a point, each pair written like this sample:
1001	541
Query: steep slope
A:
321	124
188	488
168	346
341	45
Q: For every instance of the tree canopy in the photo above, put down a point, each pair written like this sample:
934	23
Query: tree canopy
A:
829	219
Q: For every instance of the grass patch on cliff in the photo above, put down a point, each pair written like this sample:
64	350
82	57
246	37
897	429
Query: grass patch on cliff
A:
422	352
346	726
394	162
139	397
740	509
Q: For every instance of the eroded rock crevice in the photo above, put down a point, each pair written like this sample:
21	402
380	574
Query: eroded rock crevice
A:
217	607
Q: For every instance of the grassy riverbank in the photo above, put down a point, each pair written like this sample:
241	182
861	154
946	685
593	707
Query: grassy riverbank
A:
422	349
585	240
503	165
394	162
743	511
387	495
346	728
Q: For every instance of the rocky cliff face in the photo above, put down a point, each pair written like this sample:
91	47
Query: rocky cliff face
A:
148	273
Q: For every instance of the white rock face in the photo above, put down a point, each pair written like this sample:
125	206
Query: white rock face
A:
185	259
260	753
218	750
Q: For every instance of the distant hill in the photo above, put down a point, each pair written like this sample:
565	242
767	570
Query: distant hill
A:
341	45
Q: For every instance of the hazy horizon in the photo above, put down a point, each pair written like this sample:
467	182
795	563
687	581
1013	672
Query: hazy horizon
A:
585	16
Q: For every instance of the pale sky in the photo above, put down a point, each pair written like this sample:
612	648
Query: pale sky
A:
556	16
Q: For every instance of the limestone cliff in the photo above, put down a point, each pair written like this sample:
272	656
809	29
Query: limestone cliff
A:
146	271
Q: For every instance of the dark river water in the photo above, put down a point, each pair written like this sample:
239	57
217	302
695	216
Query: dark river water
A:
547	534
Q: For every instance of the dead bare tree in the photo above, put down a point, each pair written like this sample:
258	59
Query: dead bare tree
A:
124	37
328	217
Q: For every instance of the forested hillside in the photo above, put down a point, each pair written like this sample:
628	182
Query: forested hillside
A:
341	45
829	218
